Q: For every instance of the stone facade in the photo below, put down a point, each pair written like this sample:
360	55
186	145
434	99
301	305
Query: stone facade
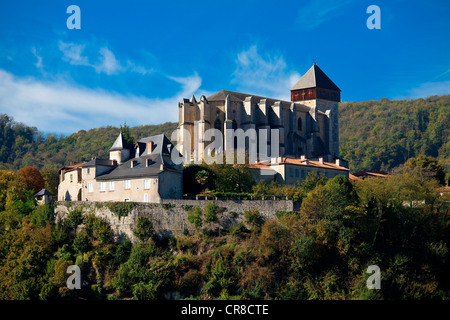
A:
308	125
139	173
290	171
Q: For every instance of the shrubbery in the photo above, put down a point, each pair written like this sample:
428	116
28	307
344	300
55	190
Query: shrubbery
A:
321	251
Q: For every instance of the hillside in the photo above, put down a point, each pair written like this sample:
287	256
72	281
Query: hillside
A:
381	135
23	146
377	135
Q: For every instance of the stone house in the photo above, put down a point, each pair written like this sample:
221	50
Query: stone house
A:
141	172
290	171
43	197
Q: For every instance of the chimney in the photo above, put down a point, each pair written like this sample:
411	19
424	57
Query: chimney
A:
338	162
321	160
303	157
149	147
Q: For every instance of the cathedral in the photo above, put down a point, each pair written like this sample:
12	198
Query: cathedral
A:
307	125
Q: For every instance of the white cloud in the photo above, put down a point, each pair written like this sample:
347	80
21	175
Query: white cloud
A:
64	108
314	13
430	89
106	61
263	75
38	63
73	53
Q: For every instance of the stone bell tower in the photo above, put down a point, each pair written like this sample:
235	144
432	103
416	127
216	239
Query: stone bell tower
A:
321	95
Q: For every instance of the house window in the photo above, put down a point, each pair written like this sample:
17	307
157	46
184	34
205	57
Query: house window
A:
111	186
102	186
127	184
90	188
291	173
126	200
146	197
71	178
88	170
296	172
303	174
147	184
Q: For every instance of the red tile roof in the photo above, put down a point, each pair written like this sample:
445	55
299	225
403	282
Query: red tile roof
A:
300	162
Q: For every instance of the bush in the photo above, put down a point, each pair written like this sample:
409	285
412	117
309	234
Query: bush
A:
74	218
237	229
186	207
42	215
253	217
195	217
123	251
145	291
168	206
82	243
211	209
60	234
144	229
99	228
121	209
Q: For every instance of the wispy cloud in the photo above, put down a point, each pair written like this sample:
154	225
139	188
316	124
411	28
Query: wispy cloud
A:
38	63
104	60
430	89
73	53
65	108
315	12
264	75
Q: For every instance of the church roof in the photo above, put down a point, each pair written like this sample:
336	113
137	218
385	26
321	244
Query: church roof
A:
240	97
315	78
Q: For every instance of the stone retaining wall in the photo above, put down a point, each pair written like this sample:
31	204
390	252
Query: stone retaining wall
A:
170	216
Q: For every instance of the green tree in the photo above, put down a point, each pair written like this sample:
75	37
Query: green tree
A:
126	133
195	216
42	214
51	179
144	229
233	178
82	243
425	167
211	210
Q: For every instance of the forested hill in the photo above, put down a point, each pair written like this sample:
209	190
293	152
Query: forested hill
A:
22	146
377	135
381	135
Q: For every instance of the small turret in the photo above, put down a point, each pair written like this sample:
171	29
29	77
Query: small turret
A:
120	150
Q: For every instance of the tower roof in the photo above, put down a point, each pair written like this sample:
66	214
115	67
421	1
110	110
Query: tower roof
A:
315	78
120	143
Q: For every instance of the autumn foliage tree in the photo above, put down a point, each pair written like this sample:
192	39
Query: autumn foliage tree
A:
32	177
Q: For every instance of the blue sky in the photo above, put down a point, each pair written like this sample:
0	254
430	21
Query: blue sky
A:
132	61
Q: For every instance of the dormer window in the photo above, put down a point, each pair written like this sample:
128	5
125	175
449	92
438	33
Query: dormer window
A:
148	162
137	150
134	163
